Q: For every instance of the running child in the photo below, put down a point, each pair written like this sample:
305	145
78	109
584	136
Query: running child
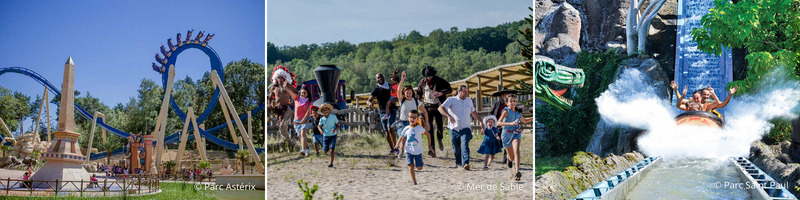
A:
317	133
511	118
491	138
329	126
412	137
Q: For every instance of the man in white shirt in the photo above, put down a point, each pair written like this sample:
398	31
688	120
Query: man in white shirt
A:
457	110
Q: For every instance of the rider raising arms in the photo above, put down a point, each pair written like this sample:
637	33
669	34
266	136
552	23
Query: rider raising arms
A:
698	97
717	104
682	103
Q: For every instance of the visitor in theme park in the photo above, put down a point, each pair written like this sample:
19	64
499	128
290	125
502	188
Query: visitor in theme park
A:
458	109
302	117
408	103
280	92
497	109
382	92
391	106
491	141
317	133
411	142
512	133
704	99
329	126
433	90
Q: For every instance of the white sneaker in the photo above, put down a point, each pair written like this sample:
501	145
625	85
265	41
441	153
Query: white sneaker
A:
307	151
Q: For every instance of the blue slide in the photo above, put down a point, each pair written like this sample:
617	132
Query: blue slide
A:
172	138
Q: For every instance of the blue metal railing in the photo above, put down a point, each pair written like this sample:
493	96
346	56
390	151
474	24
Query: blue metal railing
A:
597	191
763	181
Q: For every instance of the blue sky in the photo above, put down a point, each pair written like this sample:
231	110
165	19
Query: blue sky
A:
113	43
318	21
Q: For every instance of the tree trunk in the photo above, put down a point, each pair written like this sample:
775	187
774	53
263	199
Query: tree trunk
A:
630	27
644	25
242	166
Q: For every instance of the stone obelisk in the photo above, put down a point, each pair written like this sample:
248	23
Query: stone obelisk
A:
64	156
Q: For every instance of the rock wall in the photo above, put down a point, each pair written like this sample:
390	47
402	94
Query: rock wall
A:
601	25
776	161
28	143
588	169
558	34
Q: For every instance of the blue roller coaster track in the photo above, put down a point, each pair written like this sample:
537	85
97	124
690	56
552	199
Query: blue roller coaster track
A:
170	60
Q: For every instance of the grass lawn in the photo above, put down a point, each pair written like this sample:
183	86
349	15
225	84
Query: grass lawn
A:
545	164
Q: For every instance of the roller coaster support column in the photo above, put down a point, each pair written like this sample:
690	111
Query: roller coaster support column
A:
6	128
10	136
246	136
250	124
190	119
47	99
228	120
91	134
202	143
241	145
39	118
161	123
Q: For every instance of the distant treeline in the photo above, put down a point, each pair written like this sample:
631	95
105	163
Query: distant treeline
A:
456	54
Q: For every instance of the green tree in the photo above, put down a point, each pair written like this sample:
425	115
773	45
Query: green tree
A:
169	165
35	109
5	149
143	110
456	54
526	47
766	28
203	165
14	108
112	143
244	82
91	104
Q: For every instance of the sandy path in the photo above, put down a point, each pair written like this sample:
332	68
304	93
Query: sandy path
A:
365	174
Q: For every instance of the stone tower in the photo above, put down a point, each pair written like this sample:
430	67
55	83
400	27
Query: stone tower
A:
64	157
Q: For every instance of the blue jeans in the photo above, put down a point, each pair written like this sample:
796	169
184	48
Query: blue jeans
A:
414	159
460	140
329	142
400	126
299	127
388	122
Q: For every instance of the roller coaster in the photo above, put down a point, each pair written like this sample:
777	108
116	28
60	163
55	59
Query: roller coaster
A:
163	66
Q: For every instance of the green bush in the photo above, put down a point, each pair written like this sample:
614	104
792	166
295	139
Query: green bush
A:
570	131
781	131
308	193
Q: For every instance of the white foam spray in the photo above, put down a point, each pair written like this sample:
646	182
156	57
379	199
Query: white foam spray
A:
630	101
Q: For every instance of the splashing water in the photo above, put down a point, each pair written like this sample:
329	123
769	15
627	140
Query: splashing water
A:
631	101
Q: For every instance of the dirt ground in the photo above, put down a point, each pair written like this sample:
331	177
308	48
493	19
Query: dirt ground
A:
364	169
